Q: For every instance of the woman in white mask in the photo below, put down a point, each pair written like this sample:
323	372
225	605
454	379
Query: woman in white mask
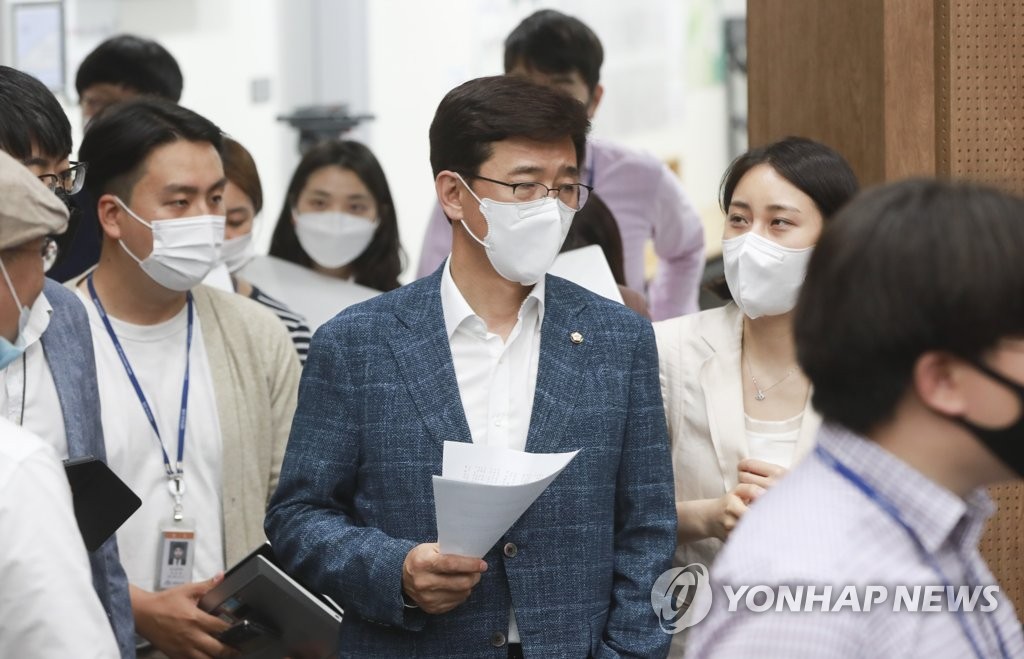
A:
243	200
338	218
738	406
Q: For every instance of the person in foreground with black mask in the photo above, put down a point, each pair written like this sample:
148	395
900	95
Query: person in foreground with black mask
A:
910	326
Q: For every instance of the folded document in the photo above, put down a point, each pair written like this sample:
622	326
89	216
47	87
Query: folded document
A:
483	490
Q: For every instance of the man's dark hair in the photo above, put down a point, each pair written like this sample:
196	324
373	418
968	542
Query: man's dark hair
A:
817	170
133	62
381	262
905	269
552	42
123	135
30	114
478	113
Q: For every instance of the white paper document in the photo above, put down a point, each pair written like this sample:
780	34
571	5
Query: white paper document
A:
483	490
587	267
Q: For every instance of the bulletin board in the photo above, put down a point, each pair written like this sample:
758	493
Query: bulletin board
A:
35	32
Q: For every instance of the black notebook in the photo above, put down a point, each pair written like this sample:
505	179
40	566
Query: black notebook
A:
273	615
102	501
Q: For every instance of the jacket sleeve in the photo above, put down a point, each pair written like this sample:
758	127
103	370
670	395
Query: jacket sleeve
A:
679	244
312	522
645	519
283	386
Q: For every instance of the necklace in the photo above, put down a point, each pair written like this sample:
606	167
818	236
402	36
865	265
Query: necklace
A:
760	395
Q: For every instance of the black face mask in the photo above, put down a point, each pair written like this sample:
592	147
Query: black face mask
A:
64	240
1006	443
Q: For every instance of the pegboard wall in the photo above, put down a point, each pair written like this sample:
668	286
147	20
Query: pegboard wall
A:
980	91
979	103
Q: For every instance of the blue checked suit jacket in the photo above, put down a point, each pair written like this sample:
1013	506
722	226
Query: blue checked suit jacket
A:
378	398
67	345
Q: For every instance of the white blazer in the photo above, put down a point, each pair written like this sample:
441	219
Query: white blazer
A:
702	386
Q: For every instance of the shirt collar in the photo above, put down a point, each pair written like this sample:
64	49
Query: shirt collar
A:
38	319
936	514
457	311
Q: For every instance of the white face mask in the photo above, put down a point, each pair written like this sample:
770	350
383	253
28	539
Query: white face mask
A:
237	251
333	239
184	250
523	238
763	276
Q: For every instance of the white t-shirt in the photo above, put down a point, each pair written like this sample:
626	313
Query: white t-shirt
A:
48	607
773	441
28	395
157	355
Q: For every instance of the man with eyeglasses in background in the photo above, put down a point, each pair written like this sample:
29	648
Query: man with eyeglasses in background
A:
644	196
49	385
488	350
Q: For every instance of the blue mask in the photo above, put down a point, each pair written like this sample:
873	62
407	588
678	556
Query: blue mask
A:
11	351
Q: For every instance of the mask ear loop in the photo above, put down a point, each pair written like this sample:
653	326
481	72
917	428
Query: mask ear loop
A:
123	205
10	284
462	221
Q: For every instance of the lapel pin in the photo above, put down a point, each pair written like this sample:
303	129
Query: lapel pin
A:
576	338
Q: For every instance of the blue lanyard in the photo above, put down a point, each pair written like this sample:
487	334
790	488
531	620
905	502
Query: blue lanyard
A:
890	509
174	474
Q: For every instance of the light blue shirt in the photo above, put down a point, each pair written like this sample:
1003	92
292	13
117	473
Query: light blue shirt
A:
817	527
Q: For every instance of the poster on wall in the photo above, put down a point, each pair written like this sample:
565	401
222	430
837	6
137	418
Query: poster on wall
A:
37	35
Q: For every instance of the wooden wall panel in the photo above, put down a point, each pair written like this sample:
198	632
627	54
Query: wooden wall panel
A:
816	69
979	64
902	88
984	74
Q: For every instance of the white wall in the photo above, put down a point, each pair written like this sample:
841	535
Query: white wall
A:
397	58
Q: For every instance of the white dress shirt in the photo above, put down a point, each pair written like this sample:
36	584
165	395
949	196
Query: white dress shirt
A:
28	395
497	379
48	607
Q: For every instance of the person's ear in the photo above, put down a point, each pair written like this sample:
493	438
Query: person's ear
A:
449	194
939	382
109	213
595	100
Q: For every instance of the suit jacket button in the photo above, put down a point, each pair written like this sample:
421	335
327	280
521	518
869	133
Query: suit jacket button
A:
511	550
497	639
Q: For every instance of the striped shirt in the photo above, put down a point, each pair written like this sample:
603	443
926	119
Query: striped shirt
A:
294	322
816	527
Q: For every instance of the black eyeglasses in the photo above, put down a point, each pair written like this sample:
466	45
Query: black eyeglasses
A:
70	180
573	195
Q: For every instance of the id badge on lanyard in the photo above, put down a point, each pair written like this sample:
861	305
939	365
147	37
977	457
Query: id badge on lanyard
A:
177	549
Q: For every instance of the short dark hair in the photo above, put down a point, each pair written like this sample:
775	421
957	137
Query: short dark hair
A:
240	169
381	262
817	170
905	269
123	135
133	62
31	115
595	224
552	42
478	113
